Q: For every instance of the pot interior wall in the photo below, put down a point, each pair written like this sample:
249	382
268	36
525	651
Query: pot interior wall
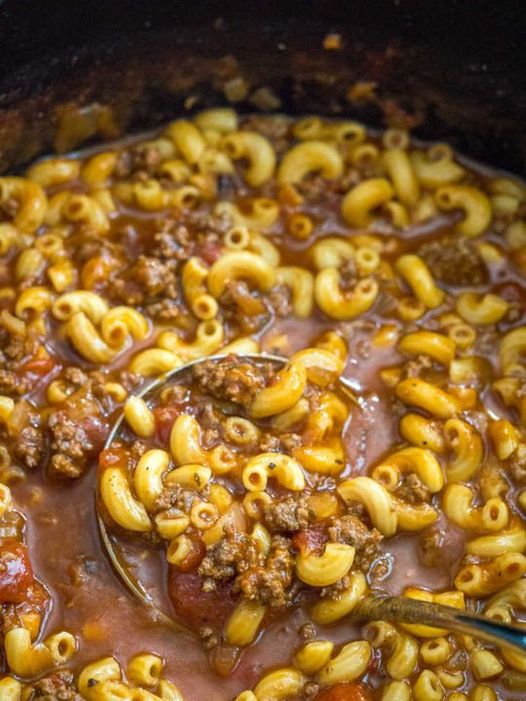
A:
75	73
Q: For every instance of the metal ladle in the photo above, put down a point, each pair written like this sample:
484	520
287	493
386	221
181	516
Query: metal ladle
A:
371	608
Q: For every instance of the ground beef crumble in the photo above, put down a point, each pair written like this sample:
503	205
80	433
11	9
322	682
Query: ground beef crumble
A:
317	188
58	686
13	350
12	384
175	497
418	366
138	161
290	513
76	376
30	447
308	631
269	444
205	225
172	240
412	490
147	281
271	583
233	379
335	591
280	299
234	554
455	261
210	421
442	545
352	530
291	441
70	445
432	542
242	309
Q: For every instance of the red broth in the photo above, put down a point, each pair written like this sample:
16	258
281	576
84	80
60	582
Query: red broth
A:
127	243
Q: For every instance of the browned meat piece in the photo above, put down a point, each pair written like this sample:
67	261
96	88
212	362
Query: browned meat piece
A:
432	543
353	531
336	590
291	441
234	554
418	366
72	442
175	497
65	467
518	465
204	222
236	557
455	261
166	310
270	583
137	450
76	376
57	686
139	160
171	240
148	280
210	420
308	632
316	188
280	300
30	447
242	309
152	275
441	545
11	383
269	443
238	298
412	490
289	513
68	437
233	379
17	347
13	351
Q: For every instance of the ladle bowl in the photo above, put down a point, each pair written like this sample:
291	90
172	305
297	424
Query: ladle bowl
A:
371	608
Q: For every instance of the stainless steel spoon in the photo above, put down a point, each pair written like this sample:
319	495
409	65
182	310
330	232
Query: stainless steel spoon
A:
371	608
403	610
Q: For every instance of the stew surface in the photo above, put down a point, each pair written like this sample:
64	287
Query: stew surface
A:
257	501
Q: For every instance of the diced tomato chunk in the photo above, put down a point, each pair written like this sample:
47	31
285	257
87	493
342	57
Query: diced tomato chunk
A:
16	574
164	420
196	608
310	540
347	691
210	252
113	457
38	366
97	431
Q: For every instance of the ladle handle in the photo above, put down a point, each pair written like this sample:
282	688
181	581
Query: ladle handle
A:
405	610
